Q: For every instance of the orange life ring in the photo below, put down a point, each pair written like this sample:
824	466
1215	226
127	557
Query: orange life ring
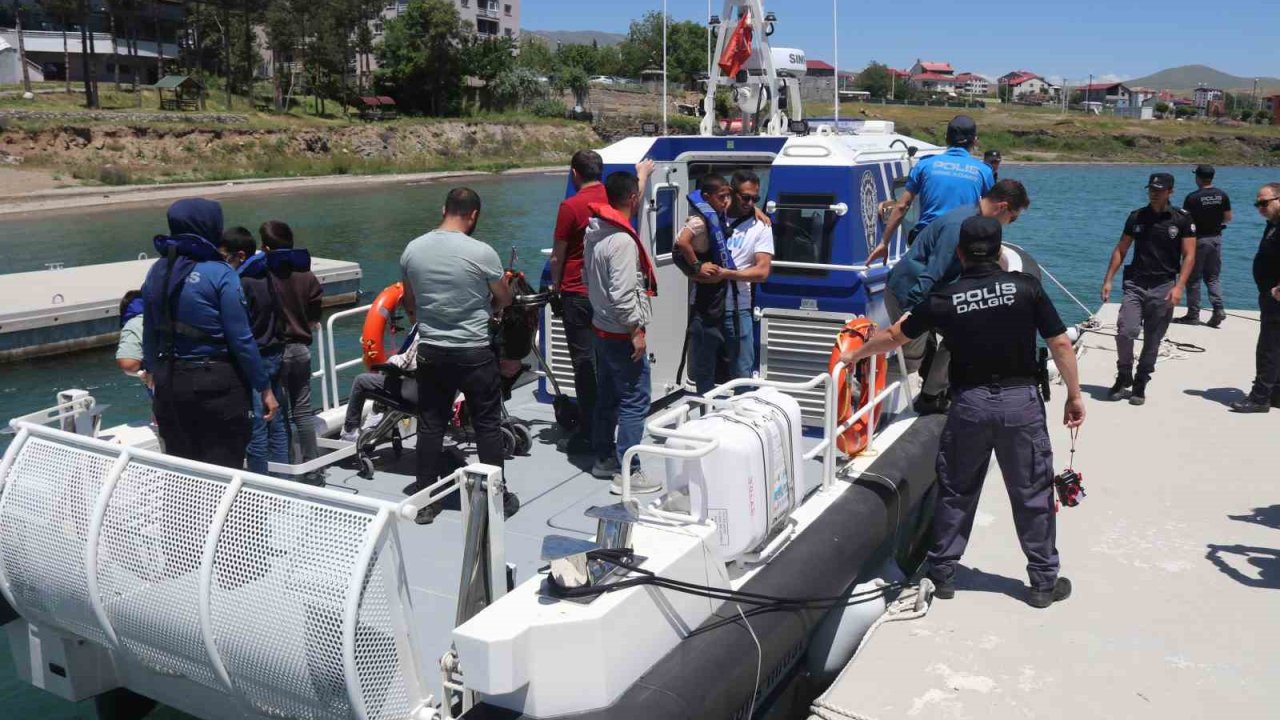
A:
854	335
373	337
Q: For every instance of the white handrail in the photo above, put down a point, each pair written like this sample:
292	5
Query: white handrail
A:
324	384
91	546
208	555
10	456
334	367
793	265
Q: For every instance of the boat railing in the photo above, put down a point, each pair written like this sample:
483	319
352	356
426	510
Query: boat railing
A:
668	426
288	599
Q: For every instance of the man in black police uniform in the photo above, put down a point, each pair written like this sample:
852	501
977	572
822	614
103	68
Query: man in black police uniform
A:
1164	240
1210	209
992	159
990	319
1266	273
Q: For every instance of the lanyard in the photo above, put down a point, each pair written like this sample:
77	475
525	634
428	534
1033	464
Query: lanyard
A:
1075	433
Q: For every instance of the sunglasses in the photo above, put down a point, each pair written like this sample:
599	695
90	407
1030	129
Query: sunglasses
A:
1264	203
748	198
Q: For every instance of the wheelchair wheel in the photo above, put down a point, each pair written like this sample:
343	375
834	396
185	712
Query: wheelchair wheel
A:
508	442
524	438
366	467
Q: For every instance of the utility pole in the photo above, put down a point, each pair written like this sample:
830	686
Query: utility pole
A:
22	47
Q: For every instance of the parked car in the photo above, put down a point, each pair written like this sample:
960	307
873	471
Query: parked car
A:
602	80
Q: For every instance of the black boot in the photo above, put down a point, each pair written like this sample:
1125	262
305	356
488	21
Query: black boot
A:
1139	394
1249	405
1215	320
1120	390
1275	400
932	404
1044	597
1188	319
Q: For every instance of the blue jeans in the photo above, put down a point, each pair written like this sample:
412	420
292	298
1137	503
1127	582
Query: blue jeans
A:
270	440
732	343
622	398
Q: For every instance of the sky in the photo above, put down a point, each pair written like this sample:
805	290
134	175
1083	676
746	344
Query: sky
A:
1112	39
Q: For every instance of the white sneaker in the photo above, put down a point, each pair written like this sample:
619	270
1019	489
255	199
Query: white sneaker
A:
349	435
641	484
372	421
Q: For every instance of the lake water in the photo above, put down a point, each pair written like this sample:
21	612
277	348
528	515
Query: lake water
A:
1076	216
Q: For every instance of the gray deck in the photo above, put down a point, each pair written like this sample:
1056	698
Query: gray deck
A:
1175	557
554	492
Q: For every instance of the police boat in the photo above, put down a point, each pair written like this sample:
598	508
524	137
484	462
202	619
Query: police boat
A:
790	518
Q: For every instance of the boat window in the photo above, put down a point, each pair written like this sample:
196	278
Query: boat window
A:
663	231
803	230
726	170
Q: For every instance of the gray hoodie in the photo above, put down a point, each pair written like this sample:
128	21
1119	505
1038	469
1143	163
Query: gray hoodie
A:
615	283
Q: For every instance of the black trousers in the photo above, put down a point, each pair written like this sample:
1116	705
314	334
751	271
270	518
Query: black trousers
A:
204	410
1266	386
442	374
577	330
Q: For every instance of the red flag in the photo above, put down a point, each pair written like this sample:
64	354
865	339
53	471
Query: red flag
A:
738	50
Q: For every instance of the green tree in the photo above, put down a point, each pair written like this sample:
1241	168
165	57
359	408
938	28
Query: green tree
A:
64	12
686	48
875	79
535	55
575	80
517	87
584	57
420	58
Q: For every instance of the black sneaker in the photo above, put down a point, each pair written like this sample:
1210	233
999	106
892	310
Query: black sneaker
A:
1188	319
1216	319
1139	394
932	404
1044	597
1249	405
510	504
427	515
944	589
1120	390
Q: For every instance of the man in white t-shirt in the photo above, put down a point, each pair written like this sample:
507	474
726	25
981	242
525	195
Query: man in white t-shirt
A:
731	341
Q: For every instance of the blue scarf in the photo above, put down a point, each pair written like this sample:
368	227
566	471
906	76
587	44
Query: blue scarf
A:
715	230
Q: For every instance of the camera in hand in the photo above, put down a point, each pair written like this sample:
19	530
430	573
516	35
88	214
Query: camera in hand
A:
1070	487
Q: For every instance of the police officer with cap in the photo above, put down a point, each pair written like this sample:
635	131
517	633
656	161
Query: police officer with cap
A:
992	159
1164	242
990	319
943	182
1210	210
198	344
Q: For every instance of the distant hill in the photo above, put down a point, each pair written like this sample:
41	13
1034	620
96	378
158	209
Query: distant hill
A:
1189	77
576	37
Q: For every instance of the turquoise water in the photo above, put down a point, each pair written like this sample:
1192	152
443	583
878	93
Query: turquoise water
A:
1075	219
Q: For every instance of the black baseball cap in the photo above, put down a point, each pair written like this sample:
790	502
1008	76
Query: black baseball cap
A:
962	130
980	238
991	155
1160	181
1205	171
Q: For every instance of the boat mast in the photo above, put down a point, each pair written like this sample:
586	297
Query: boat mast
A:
733	11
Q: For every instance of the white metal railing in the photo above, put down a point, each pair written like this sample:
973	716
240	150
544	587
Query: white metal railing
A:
667	427
165	563
335	367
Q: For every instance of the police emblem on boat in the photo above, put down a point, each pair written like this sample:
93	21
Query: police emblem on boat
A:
869	205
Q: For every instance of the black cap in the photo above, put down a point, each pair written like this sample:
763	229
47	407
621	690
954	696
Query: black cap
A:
1205	171
980	238
962	130
1160	181
991	155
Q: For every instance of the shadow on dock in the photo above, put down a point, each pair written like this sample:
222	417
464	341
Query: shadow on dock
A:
1264	516
1263	563
975	579
1222	396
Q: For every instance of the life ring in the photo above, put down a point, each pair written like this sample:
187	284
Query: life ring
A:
373	337
853	393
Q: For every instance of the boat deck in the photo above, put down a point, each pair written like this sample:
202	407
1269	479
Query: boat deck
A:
1174	555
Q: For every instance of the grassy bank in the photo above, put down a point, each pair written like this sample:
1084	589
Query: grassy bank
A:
1042	134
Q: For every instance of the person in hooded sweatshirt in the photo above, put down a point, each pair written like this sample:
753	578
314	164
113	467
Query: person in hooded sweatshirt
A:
270	440
197	342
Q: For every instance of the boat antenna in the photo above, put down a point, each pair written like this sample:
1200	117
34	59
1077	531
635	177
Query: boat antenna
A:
665	22
835	43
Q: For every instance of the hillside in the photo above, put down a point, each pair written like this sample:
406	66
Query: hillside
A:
576	37
1188	77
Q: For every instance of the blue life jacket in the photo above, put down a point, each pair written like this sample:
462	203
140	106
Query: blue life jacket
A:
715	230
131	311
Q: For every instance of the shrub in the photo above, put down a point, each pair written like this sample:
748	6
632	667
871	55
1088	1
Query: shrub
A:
549	108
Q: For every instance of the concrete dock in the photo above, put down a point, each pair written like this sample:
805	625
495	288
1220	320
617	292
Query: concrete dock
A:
1175	558
49	312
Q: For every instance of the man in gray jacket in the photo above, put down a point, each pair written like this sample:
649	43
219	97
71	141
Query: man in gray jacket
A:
620	280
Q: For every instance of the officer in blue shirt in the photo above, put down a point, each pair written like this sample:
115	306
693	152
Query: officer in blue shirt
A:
942	182
198	344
